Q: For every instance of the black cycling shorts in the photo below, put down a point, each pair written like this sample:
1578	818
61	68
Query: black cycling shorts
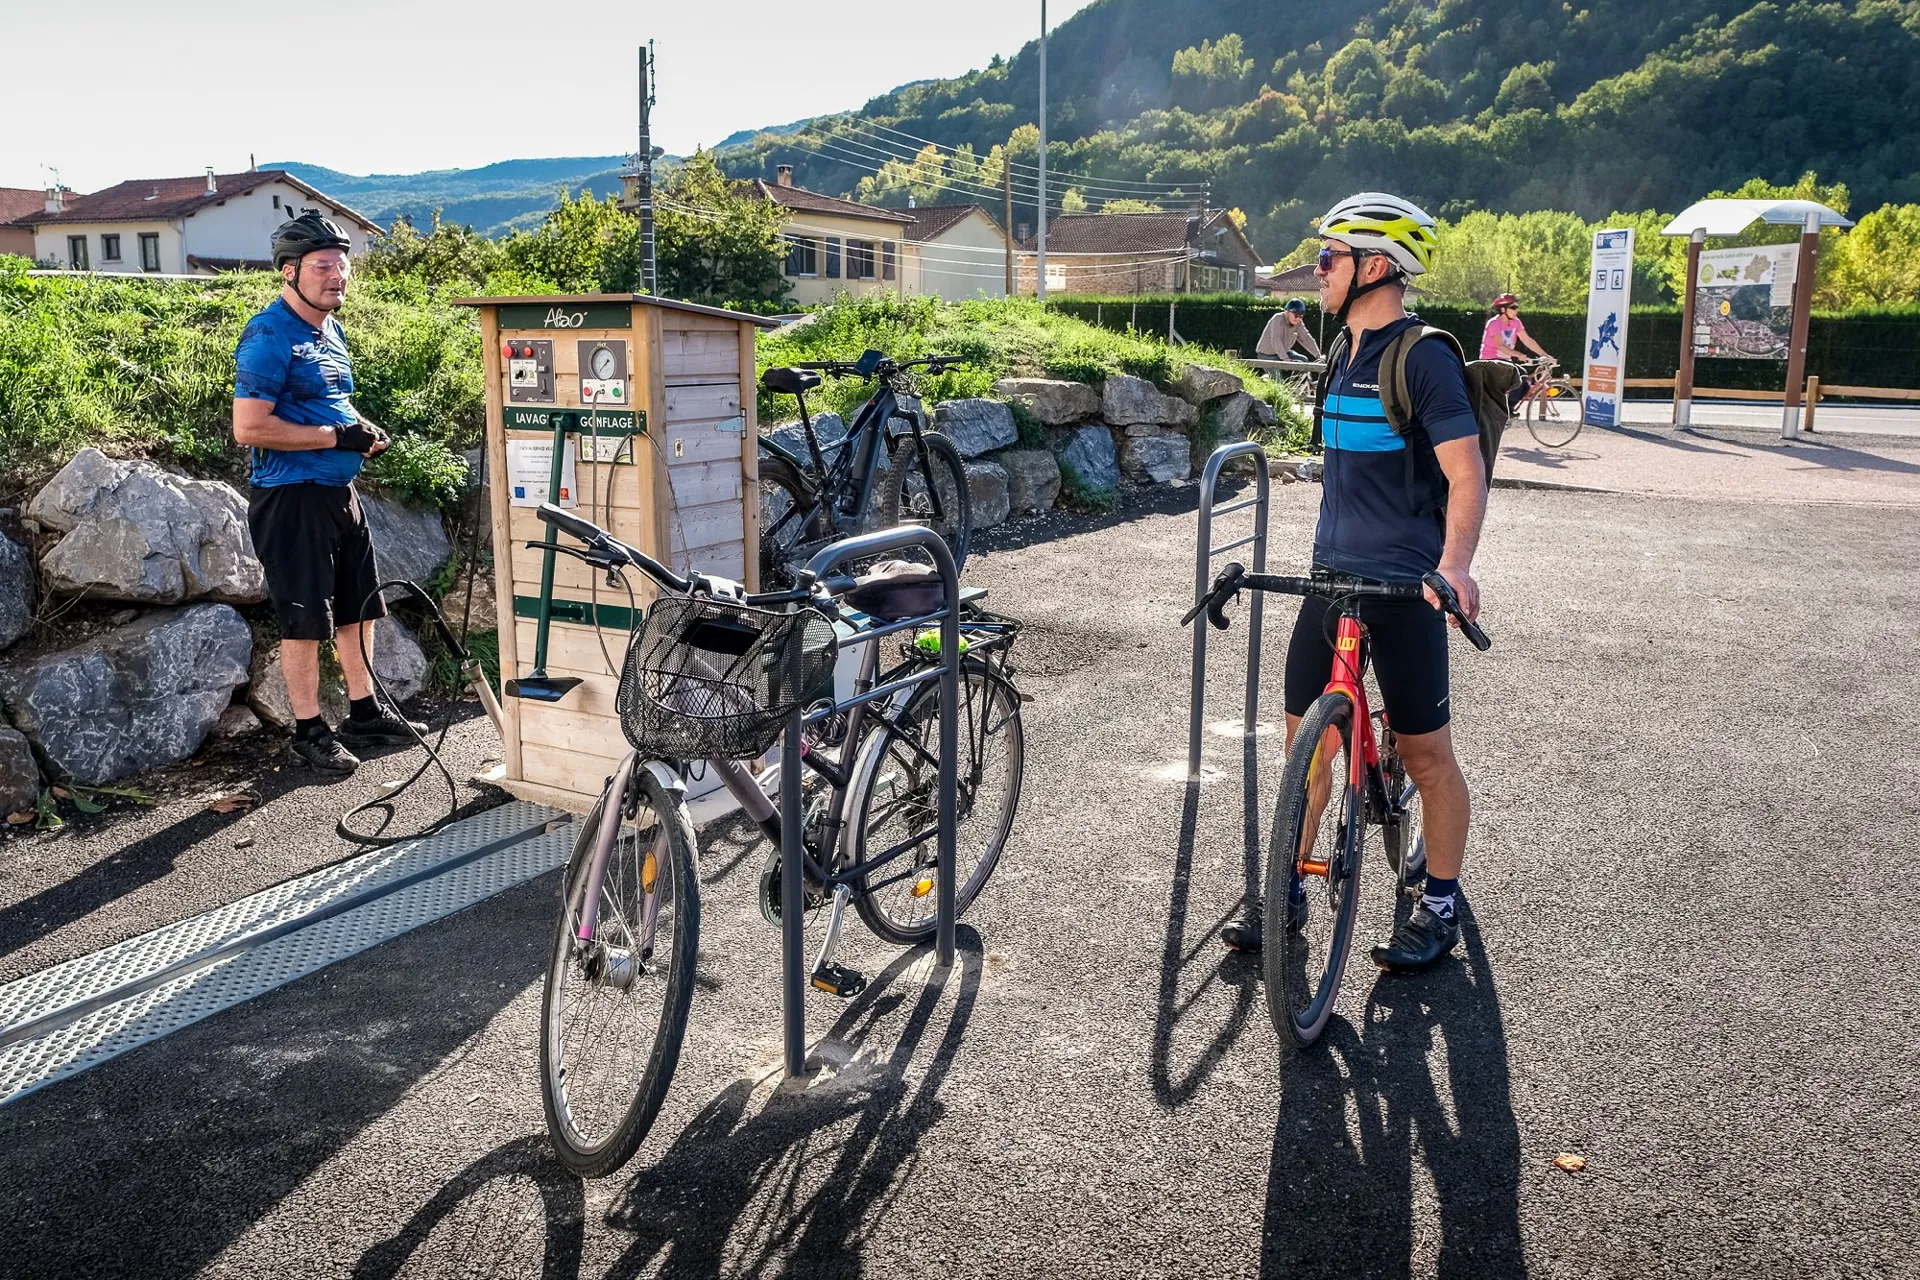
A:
1407	643
312	541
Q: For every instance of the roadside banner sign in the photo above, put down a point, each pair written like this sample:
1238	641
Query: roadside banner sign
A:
1608	290
1743	302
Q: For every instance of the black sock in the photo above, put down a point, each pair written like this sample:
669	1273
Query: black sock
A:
364	709
308	730
1439	895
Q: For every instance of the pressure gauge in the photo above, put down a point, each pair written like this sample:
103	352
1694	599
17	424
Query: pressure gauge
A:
604	365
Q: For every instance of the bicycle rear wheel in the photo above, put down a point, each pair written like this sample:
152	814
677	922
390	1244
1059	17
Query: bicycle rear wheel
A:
926	484
1317	837
616	1001
897	802
793	523
1553	416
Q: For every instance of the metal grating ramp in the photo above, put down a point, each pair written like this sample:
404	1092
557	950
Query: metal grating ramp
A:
76	1015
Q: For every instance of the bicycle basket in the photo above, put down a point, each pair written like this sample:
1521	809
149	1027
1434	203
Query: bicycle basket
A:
709	680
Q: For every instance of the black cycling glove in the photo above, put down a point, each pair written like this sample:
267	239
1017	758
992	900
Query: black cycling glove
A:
357	437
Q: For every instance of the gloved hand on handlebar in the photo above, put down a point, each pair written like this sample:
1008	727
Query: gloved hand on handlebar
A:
361	436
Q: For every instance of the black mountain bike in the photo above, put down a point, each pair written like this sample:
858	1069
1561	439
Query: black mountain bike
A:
881	474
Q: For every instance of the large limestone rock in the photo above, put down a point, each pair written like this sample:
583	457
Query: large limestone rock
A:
1231	415
976	426
989	494
1055	402
1156	459
1198	384
135	532
19	772
1265	414
133	698
1089	456
398	659
18	596
1129	401
408	542
1033	480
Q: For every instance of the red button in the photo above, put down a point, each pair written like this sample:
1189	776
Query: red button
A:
506	350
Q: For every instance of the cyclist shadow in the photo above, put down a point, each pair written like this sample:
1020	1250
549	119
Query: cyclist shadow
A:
1426	1076
496	1234
1214	962
789	1187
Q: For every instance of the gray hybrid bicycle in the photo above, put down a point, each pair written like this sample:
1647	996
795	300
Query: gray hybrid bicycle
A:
710	674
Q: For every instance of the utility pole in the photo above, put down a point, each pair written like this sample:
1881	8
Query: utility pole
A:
643	163
1040	278
1006	190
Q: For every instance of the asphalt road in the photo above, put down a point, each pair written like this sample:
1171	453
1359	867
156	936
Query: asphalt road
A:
1693	755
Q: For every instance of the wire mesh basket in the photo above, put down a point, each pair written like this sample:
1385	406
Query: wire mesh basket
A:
708	680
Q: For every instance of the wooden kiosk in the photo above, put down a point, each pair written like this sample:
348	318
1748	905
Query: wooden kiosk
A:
652	401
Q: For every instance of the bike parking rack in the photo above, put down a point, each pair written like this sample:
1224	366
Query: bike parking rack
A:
792	820
1204	553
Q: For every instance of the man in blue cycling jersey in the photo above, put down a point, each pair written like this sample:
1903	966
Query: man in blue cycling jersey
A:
1372	526
292	385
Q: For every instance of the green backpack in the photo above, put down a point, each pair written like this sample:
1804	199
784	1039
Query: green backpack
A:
1490	387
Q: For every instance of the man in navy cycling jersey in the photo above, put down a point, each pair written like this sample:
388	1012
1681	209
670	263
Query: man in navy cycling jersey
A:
293	381
1372	527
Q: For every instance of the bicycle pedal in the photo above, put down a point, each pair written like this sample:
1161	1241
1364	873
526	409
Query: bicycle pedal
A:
838	980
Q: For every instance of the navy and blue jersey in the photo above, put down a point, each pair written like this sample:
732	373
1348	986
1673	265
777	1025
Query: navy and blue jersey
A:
307	375
1369	523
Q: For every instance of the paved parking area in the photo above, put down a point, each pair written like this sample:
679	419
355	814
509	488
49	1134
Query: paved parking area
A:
1692	751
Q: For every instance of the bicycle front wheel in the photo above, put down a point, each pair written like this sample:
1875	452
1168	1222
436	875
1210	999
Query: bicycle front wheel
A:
1553	416
1317	837
927	485
619	985
896	812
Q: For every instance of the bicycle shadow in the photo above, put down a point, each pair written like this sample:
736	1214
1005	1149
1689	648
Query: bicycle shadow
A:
498	1234
1426	1076
1242	973
744	1191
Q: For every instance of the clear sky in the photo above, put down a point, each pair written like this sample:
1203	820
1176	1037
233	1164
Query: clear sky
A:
107	90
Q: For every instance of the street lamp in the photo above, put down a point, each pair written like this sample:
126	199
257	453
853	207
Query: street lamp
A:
1041	279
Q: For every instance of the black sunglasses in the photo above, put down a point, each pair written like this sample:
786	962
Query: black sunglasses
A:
1327	257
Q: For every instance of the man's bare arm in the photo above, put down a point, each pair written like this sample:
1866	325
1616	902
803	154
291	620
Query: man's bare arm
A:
1466	474
255	427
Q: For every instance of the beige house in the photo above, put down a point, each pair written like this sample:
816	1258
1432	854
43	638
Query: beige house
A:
16	203
956	251
836	246
1178	252
180	226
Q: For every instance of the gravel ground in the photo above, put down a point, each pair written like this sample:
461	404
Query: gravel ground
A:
1684	911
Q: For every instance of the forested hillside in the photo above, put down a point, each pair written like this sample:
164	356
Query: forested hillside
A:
1467	104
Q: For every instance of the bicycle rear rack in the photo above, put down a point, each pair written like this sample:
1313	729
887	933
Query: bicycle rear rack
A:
1204	553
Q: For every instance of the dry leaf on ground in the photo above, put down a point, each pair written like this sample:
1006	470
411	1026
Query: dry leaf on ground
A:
237	802
22	818
1570	1162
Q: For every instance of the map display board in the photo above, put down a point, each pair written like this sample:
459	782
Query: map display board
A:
1743	302
1609	285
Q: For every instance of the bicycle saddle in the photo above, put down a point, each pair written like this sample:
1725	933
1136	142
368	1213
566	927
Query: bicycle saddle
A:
790	381
894	590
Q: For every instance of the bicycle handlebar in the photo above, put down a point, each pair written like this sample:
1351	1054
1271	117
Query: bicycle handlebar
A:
1234	579
884	368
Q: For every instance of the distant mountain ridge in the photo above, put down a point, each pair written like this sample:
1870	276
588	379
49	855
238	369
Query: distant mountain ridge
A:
494	199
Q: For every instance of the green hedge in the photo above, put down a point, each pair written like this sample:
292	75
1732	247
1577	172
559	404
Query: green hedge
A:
1865	349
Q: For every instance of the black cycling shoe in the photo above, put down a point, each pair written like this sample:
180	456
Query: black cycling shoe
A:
384	729
324	753
1246	931
1422	940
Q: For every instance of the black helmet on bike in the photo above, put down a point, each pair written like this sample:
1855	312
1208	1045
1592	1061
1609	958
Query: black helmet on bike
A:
1296	306
305	234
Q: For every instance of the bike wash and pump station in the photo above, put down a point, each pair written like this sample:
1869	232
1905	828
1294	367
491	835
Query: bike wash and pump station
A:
638	413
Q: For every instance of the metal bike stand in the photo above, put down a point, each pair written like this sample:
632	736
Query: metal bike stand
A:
792	824
1204	552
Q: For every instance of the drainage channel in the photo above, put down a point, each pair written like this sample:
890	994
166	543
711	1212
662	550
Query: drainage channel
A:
72	1016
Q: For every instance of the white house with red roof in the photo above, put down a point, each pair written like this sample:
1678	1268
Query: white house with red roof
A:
180	226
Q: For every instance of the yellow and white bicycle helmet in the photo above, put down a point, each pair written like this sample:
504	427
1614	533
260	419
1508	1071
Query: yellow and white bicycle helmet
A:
1385	224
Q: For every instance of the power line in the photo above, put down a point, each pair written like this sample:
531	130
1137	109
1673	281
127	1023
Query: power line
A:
869	153
1144	184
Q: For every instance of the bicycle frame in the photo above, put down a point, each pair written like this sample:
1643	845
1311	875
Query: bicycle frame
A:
1366	774
855	463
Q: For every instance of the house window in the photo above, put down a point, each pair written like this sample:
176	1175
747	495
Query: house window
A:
803	256
77	252
109	248
149	250
276	202
859	259
886	261
833	257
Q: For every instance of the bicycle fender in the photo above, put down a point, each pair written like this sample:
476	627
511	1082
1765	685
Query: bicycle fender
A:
670	780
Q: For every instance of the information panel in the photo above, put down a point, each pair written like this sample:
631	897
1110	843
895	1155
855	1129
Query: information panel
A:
1743	302
1608	289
